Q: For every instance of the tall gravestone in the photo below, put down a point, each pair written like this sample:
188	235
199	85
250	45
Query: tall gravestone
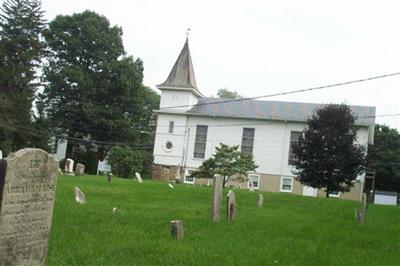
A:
27	191
217	198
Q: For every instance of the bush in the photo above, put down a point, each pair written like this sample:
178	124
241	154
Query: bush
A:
125	161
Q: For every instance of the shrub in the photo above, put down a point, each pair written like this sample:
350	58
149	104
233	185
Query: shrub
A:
125	161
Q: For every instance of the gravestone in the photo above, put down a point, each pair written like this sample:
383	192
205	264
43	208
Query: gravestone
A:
1	154
217	198
251	188
80	196
27	190
138	177
69	166
231	206
178	174
109	177
260	202
80	169
177	229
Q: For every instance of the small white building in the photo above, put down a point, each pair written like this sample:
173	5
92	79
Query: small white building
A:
190	126
385	197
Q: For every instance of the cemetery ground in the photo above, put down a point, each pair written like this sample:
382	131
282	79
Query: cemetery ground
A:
287	230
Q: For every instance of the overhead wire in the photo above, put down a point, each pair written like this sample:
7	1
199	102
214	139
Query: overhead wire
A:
289	92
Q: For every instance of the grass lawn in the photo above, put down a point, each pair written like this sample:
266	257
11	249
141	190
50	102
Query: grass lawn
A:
288	230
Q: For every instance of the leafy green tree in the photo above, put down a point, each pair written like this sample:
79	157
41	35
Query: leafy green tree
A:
229	162
384	157
21	51
227	94
93	90
125	161
326	156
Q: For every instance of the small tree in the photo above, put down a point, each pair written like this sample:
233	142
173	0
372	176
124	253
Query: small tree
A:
327	155
125	161
227	161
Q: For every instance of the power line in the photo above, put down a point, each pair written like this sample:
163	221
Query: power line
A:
36	132
289	92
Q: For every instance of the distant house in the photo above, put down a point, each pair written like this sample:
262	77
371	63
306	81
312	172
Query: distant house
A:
190	126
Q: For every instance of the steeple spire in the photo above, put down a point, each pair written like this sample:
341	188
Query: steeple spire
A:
182	73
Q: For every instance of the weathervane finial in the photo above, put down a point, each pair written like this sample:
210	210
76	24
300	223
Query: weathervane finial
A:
187	34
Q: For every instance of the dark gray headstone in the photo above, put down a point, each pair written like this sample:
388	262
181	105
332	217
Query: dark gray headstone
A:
27	191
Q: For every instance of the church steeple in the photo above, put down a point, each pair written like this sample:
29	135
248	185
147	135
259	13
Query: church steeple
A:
182	73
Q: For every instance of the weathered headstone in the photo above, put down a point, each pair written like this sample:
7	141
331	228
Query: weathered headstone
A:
1	154
208	182
360	214
80	196
138	177
251	188
109	177
177	229
231	206
80	169
27	190
260	202
217	198
69	166
178	174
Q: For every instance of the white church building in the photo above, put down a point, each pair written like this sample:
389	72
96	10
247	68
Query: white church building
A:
190	126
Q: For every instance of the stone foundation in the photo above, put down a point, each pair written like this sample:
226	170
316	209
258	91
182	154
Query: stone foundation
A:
164	172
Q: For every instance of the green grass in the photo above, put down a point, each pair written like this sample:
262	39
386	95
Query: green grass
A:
288	230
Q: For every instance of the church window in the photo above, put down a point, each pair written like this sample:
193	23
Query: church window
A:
248	140
200	141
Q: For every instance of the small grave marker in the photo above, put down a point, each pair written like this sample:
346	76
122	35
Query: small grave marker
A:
27	190
231	206
79	196
260	202
109	177
177	229
138	177
217	198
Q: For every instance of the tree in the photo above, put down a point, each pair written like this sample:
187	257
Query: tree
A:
94	91
227	161
384	157
21	51
326	156
125	161
227	94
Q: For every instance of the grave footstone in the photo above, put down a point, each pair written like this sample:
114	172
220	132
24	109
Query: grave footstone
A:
217	198
138	177
80	169
231	205
27	190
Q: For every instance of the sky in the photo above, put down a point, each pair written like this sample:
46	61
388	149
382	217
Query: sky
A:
264	47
